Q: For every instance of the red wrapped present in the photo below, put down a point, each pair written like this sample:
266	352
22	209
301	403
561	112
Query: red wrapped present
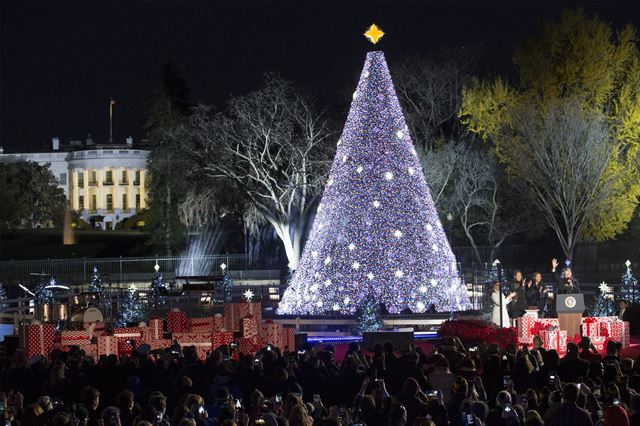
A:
219	323
158	344
201	341
234	312
107	345
201	325
272	333
36	339
75	337
599	342
91	350
290	339
124	348
590	327
221	338
554	339
134	333
153	330
177	322
95	329
618	331
523	327
249	345
248	327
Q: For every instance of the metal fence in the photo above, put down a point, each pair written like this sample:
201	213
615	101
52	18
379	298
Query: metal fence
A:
115	270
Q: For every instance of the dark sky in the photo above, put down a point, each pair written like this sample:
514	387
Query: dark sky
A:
60	61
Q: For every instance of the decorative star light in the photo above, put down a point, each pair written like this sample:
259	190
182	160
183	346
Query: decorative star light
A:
400	134
628	263
132	287
376	203
359	169
496	262
319	303
429	227
352	247
414	152
327	282
567	263
347	300
355	265
336	307
399	273
223	266
370	276
314	288
327	260
433	281
330	182
317	275
366	74
248	295
388	175
423	288
604	288
314	254
420	306
156	267
339	142
397	233
374	34
344	158
435	247
412	171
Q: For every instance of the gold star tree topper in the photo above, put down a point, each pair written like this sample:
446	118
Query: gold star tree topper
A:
374	34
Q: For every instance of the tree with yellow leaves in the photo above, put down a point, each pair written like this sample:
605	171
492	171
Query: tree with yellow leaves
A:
576	104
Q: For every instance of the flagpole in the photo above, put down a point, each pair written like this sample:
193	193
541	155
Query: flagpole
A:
110	119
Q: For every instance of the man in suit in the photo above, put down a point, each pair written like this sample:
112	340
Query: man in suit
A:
566	283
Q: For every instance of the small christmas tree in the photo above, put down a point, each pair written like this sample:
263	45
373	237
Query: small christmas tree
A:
132	309
96	285
603	305
629	290
368	317
3	298
43	294
227	283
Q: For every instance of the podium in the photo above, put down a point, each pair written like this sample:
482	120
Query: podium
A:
570	308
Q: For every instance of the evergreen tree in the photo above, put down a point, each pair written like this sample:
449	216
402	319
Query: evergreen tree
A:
132	309
377	234
167	108
3	298
227	284
96	285
368	317
603	304
629	289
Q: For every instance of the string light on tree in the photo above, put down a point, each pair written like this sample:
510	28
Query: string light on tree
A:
396	258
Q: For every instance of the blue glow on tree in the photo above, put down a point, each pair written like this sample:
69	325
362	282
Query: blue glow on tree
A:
227	284
629	286
377	233
603	304
132	309
3	298
96	285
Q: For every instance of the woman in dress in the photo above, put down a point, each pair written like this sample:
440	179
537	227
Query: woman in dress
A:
495	300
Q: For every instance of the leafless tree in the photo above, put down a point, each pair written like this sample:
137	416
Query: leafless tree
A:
567	151
430	91
270	145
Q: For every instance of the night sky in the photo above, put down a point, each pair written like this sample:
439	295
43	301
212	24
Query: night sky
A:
61	61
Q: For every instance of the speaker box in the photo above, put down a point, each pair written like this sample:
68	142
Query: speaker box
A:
399	339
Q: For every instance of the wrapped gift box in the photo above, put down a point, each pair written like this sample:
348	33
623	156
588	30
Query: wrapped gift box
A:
107	345
177	322
158	344
618	331
91	350
234	312
527	326
290	339
75	337
273	333
590	327
249	345
153	330
124	348
201	325
221	338
94	328
554	339
134	333
36	339
248	327
599	342
201	341
219	323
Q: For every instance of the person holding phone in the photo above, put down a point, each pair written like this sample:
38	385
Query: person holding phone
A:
568	409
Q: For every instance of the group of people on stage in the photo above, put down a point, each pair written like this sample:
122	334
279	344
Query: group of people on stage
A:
530	293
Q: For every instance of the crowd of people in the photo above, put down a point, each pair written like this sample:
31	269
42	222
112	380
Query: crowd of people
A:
449	385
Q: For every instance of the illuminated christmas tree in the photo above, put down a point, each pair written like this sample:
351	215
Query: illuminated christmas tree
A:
132	309
376	233
629	290
3	298
96	285
603	304
368	318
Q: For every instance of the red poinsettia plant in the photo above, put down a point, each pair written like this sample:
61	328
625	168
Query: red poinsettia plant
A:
538	327
473	332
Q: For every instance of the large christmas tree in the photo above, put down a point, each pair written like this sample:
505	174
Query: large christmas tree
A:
377	232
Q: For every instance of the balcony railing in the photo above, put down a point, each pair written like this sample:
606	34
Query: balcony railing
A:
136	182
108	183
124	182
93	183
